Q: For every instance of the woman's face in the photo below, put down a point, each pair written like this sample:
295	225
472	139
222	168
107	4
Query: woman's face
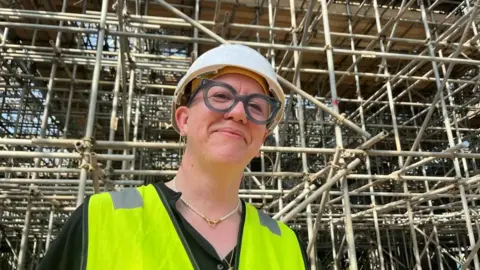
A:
228	138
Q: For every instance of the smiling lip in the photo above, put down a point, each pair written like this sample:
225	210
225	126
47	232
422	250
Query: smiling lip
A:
232	133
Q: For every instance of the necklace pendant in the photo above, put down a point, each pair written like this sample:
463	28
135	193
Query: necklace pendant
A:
212	223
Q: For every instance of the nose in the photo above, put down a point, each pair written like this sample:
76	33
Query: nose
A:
237	113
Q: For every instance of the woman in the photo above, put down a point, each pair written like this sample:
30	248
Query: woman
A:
225	106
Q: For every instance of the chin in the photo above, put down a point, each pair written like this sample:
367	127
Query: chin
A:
229	155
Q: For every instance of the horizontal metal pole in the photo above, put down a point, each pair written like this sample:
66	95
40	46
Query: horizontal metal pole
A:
250	193
259	174
24	154
318	49
427	160
161	145
136	20
413	199
139	64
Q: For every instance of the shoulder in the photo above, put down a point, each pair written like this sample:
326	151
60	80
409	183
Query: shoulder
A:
275	226
126	198
283	235
65	251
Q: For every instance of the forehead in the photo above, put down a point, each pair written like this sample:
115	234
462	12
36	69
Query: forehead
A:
242	83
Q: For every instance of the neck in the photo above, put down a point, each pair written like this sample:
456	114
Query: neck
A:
209	188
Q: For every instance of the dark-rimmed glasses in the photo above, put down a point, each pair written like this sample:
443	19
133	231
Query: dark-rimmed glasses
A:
221	97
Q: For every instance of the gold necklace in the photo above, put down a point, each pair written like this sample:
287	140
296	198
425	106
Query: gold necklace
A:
209	221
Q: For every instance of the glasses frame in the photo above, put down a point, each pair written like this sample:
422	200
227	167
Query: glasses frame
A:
206	84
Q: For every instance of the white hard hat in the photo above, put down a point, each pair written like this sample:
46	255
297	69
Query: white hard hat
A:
231	55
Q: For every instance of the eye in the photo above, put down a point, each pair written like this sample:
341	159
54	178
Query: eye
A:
221	96
259	106
256	108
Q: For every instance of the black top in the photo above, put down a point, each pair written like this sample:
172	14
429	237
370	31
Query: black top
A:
65	252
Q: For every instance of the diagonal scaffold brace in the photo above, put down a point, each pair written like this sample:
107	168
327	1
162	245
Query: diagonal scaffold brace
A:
340	119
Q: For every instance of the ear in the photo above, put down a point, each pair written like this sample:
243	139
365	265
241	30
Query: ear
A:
181	116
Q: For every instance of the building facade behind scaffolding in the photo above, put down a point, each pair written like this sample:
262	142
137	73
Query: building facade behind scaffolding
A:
375	164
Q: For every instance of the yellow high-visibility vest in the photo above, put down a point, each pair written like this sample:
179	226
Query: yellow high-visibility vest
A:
132	229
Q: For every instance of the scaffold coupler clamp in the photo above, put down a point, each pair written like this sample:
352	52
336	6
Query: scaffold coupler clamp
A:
328	47
33	190
340	119
336	166
396	176
89	158
86	143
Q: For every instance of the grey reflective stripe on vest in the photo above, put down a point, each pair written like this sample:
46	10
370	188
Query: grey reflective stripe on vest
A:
269	222
126	199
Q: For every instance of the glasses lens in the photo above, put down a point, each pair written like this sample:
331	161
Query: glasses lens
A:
220	97
259	108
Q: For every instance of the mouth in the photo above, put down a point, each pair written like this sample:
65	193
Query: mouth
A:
235	134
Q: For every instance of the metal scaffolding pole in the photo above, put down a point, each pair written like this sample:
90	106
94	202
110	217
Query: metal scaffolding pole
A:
364	80
440	87
87	146
26	227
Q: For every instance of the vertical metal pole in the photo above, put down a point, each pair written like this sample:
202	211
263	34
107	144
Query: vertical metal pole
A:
461	254
435	71
338	137
297	82
262	179
405	249
70	97
116	90
128	117
195	30
24	241
113	123
334	241
50	85
448	129
137	44
131	96
93	96
427	189
367	161
146	120
271	23
20	106
50	228
392	263
456	164
397	136
276	166
135	127
67	122
452	104
428	251
34	253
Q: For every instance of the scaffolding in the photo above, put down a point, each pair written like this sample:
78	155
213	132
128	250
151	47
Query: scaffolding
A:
375	164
